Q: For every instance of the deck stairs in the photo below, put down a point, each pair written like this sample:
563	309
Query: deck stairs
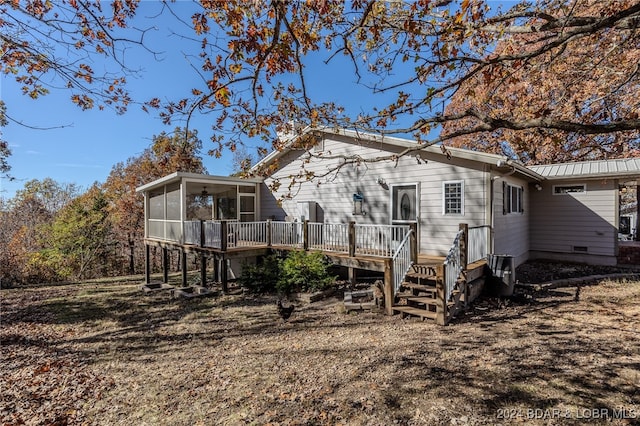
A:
418	293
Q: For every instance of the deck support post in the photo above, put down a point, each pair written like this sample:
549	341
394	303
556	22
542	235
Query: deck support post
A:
413	241
388	286
464	255
305	235
464	252
202	238
224	235
165	265
183	267
203	269
224	276
352	275
352	239
147	264
441	306
216	268
268	232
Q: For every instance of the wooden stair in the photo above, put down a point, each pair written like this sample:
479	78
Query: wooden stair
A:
417	294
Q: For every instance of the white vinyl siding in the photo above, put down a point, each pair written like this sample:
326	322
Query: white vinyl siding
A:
562	223
511	231
334	194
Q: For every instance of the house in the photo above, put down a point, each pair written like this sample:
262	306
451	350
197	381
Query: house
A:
433	212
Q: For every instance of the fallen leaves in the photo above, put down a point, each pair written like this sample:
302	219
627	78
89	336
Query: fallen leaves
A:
151	359
42	383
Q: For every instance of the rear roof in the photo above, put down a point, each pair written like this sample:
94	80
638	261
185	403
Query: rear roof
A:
622	167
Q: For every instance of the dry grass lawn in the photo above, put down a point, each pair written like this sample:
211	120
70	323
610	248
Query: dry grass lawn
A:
107	354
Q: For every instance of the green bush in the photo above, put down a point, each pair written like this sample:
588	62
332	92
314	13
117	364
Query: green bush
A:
304	271
262	277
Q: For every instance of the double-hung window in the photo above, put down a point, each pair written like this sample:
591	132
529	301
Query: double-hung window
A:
453	197
512	198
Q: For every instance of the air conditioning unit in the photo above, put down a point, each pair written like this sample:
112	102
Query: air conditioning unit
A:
503	270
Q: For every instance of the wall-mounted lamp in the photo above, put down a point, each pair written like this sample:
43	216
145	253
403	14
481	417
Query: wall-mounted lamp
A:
381	181
358	201
538	187
420	160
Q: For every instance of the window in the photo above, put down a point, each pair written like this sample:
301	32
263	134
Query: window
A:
453	197
319	146
569	189
512	198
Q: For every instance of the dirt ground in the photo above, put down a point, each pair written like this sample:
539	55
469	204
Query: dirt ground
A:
106	354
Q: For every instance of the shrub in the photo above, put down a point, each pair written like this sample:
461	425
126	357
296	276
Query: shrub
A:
304	271
261	277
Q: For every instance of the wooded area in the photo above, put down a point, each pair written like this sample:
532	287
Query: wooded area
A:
55	231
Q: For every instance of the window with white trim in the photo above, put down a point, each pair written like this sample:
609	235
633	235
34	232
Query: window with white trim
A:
512	198
453	197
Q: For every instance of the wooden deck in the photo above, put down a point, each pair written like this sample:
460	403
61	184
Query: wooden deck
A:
426	286
358	261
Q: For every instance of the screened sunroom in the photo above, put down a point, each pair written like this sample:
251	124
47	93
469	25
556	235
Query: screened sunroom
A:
177	201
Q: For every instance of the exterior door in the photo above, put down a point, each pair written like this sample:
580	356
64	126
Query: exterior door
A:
405	204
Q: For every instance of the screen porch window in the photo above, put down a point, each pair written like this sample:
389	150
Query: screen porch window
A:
247	207
453	197
156	205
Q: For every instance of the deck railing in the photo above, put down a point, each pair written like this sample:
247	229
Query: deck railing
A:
331	237
379	240
287	234
348	238
192	231
478	243
453	265
247	234
401	261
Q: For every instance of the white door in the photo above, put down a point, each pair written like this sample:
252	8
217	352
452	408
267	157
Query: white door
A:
405	204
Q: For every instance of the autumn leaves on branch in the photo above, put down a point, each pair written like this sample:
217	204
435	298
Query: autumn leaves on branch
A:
541	82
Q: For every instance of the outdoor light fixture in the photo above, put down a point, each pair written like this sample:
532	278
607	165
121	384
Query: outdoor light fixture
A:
538	187
420	160
358	201
381	181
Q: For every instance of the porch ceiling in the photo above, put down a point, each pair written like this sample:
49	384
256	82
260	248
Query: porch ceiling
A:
196	188
197	179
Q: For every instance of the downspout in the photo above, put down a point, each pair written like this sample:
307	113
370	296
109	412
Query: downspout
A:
492	179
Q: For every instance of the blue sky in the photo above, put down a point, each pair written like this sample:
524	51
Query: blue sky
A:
82	146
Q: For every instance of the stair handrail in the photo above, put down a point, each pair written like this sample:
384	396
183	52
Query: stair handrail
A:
401	261
453	266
